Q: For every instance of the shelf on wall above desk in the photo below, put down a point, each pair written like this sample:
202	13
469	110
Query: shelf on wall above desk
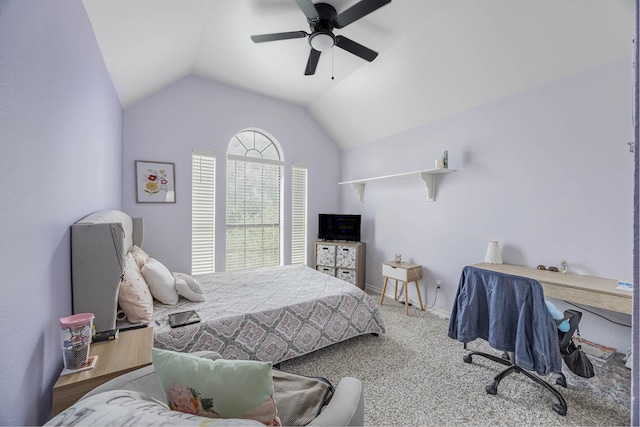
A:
427	175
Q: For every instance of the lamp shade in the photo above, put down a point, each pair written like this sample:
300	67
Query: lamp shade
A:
322	40
493	255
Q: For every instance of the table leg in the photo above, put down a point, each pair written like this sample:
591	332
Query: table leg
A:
395	297
384	289
406	300
419	297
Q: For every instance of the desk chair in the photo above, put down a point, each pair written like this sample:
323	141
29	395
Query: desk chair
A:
509	312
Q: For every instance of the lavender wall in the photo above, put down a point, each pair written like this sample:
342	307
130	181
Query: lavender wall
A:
61	139
197	113
547	173
635	366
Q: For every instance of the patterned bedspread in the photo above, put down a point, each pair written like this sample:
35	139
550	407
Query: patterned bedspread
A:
270	314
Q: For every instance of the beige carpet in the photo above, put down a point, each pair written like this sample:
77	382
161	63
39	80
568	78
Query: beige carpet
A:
414	375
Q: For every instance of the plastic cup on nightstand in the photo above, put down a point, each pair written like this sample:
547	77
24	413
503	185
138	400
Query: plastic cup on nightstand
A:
75	336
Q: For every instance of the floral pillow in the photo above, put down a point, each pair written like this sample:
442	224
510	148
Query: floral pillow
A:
217	388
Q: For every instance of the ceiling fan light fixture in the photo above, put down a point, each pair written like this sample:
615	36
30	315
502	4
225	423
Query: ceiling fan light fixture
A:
322	19
322	40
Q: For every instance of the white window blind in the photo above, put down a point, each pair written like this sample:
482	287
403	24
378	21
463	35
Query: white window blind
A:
203	172
298	215
254	187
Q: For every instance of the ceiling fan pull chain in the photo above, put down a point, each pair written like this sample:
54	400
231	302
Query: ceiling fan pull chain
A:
332	73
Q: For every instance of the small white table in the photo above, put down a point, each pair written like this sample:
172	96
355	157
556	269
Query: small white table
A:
404	272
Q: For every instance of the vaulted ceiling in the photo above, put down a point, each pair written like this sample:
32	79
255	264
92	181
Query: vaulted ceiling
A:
436	57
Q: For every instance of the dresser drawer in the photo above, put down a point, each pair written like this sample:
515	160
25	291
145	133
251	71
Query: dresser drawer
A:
326	270
346	256
325	255
403	271
346	274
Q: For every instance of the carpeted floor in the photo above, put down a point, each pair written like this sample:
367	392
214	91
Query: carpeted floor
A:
414	375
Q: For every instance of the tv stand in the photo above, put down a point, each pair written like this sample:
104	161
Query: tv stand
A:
342	259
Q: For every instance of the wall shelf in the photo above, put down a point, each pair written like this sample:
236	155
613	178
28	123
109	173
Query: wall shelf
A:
427	175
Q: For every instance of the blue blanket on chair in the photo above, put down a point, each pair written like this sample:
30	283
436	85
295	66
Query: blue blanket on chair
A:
510	313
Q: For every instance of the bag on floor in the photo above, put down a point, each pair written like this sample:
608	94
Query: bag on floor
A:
575	359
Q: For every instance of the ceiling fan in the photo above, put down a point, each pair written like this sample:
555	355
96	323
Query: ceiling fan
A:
322	19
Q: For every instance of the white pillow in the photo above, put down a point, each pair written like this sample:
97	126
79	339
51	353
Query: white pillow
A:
161	282
189	288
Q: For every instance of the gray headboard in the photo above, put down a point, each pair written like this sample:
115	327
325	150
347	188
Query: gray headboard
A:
99	243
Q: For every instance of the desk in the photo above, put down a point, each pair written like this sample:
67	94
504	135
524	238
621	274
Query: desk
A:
587	290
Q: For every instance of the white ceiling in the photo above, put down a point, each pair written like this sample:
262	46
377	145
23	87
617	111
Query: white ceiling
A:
436	57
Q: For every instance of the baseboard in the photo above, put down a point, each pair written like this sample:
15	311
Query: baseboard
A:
370	289
440	313
378	291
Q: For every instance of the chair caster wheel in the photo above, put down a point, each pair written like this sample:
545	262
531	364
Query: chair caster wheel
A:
491	389
561	382
562	410
467	358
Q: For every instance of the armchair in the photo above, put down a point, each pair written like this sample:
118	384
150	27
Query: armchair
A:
142	390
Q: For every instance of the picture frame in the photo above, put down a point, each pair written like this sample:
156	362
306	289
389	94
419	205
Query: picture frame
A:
155	182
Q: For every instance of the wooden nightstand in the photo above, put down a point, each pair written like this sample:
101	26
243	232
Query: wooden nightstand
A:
130	351
403	272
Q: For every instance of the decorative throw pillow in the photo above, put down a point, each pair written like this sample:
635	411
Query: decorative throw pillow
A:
139	255
133	295
189	288
217	388
161	282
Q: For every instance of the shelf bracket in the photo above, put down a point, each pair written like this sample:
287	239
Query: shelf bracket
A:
429	181
359	189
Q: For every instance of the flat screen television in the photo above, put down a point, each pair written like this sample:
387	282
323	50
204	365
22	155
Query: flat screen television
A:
339	227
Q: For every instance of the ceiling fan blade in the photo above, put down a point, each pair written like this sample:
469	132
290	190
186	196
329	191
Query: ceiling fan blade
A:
356	48
278	36
312	62
308	9
357	11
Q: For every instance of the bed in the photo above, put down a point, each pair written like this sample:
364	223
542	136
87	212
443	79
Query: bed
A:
270	314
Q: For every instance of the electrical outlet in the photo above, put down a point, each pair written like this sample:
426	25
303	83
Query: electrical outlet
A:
438	284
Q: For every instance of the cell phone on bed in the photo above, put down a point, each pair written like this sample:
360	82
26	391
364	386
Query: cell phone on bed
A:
183	318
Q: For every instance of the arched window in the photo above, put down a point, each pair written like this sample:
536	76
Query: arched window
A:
254	201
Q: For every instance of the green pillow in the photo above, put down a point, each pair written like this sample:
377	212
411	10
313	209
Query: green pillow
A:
217	388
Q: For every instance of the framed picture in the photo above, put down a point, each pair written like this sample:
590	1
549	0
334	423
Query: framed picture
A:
155	182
